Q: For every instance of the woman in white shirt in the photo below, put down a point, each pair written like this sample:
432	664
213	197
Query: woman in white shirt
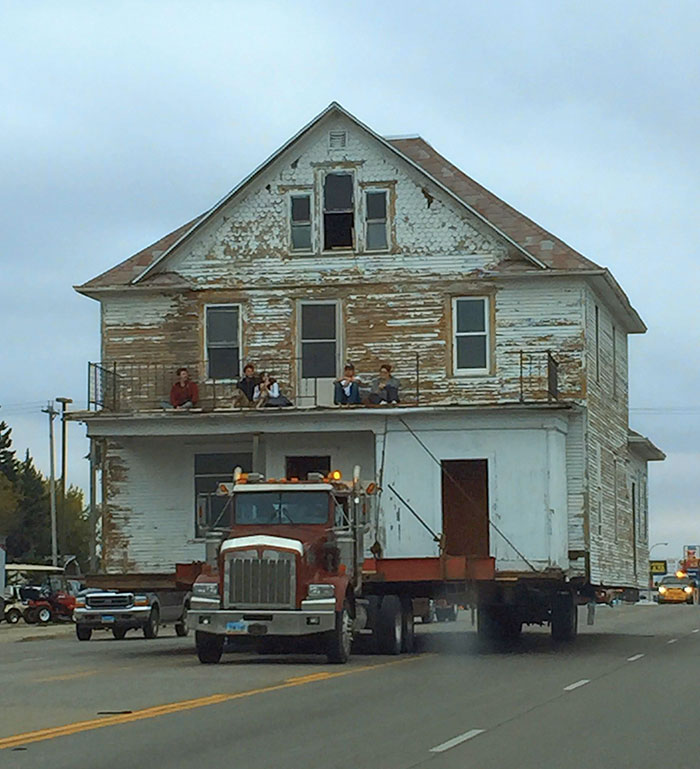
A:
267	393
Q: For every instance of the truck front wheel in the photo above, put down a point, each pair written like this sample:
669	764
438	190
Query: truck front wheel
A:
83	632
150	629
564	617
340	638
389	629
209	647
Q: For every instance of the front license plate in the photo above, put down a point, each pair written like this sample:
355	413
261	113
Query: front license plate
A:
237	627
108	617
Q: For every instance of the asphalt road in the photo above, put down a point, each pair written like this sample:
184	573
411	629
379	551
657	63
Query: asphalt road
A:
623	695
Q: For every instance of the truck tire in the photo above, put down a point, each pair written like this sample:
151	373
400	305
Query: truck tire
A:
408	630
150	629
209	647
340	638
83	632
564	620
181	628
44	615
389	629
119	633
13	616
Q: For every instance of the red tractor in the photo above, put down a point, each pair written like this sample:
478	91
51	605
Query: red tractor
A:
48	602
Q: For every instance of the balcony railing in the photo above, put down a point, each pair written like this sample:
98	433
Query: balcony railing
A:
127	386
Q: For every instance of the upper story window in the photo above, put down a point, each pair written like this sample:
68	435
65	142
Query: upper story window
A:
222	340
318	339
376	220
301	222
338	212
471	344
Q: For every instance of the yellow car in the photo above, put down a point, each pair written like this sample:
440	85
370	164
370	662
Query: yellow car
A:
676	590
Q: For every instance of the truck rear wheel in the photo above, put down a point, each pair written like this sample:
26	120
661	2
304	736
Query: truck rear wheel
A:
564	618
210	647
389	629
83	632
340	638
150	629
181	628
408	631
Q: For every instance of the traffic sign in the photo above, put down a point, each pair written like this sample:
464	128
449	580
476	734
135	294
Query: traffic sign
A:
658	567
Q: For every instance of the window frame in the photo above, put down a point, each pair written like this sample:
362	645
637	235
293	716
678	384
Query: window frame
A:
195	475
487	333
239	344
338	335
301	194
365	210
352	210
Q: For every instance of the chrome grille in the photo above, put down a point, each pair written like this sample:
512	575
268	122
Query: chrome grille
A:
117	601
267	581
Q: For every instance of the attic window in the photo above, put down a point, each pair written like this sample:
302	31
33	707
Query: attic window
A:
301	222
337	140
338	212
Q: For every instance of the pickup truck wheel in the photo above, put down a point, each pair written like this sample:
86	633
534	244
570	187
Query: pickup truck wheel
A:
340	638
564	618
408	630
119	633
13	616
150	629
389	630
209	647
83	632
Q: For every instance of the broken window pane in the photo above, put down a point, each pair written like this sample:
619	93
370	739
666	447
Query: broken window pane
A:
337	231
471	352
470	315
376	235
376	205
337	193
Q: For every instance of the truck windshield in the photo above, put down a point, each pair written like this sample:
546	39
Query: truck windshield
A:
268	507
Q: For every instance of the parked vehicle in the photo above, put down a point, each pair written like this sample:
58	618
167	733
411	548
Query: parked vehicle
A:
445	611
49	605
13	605
123	602
677	589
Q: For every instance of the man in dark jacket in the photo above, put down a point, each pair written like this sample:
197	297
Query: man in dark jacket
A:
245	388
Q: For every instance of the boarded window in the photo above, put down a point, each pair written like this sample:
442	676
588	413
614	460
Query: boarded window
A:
209	471
318	340
471	335
301	222
222	341
338	212
375	210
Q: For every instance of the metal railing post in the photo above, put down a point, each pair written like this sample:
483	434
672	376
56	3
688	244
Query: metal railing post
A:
522	385
417	378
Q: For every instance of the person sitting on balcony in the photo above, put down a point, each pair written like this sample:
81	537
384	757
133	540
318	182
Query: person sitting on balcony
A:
347	387
267	393
385	388
184	393
244	394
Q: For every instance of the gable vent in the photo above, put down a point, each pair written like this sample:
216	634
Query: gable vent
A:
337	140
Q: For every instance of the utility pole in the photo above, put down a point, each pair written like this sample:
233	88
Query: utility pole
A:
52	483
64	402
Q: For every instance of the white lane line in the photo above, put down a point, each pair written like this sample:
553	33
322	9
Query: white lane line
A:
456	740
576	685
635	657
672	641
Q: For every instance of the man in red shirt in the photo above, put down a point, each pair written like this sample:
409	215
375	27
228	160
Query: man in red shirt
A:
184	393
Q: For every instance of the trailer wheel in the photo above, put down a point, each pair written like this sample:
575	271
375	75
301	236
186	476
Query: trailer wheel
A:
389	628
150	629
13	616
119	633
83	632
340	638
209	647
408	630
564	619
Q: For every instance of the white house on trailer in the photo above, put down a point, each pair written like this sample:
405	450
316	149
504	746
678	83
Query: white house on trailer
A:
511	439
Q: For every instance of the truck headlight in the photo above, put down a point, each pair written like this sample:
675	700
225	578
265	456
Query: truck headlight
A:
80	603
206	589
140	600
321	591
687	589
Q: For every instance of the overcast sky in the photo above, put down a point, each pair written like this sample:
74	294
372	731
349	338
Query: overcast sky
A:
120	121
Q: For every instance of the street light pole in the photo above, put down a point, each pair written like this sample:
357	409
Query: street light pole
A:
52	483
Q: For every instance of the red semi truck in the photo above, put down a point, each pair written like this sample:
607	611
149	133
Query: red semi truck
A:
294	563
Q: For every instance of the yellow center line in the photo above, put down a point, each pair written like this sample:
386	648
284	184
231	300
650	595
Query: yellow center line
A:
176	707
66	676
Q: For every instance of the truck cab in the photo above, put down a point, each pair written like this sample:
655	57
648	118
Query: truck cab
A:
289	563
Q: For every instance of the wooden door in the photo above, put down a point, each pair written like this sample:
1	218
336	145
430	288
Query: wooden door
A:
465	507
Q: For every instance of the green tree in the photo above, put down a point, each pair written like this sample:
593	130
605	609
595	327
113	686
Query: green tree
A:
30	536
74	526
8	461
9	500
